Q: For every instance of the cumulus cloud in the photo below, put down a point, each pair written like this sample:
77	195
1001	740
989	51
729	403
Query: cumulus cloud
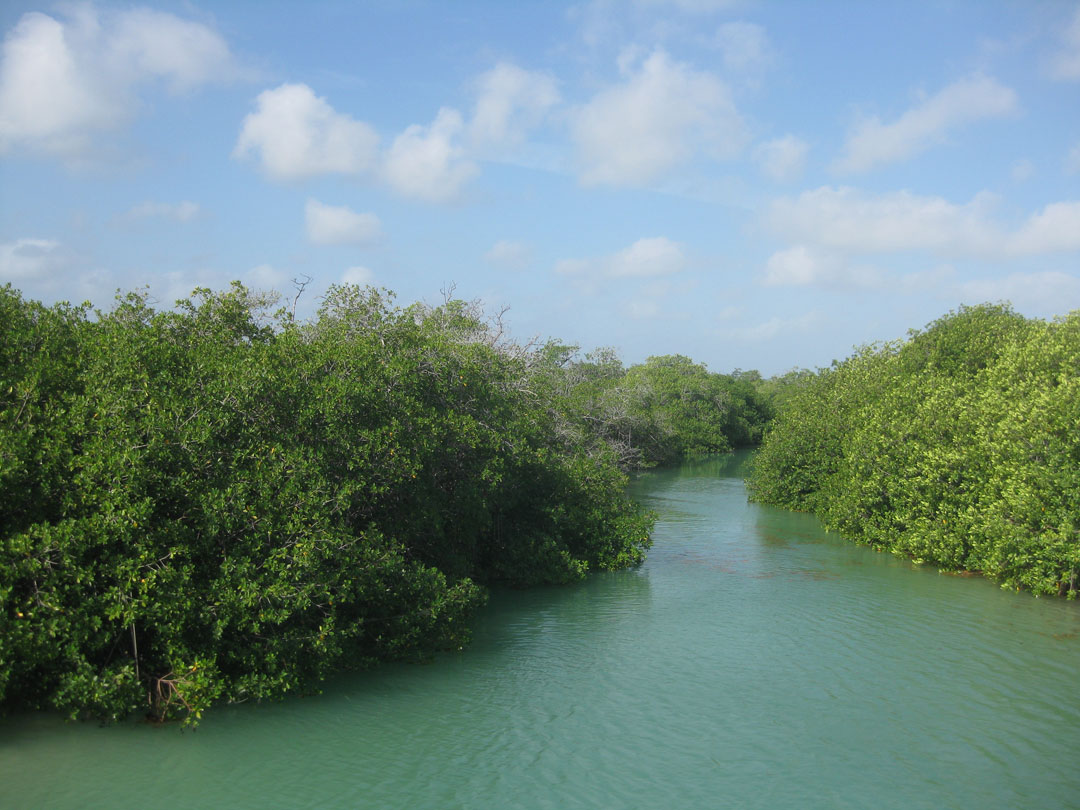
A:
782	159
510	101
267	277
339	225
180	212
297	135
646	258
358	275
30	259
1048	293
64	80
658	256
744	46
46	99
660	116
811	266
156	43
508	255
850	220
1065	61
872	143
1054	229
798	266
429	163
830	229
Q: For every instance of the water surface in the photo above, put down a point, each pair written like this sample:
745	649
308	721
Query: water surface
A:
753	662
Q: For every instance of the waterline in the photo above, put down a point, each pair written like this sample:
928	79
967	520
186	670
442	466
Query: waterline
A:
753	661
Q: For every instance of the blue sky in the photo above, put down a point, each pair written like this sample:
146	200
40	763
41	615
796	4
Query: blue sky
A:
754	184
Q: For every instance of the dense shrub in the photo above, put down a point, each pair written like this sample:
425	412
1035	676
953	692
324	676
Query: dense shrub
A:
957	447
661	411
218	503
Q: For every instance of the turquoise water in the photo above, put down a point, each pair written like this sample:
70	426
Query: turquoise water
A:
753	662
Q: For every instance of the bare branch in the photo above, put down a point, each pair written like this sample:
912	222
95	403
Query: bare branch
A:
300	287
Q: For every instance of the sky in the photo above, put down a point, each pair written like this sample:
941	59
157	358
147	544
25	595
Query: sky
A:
757	185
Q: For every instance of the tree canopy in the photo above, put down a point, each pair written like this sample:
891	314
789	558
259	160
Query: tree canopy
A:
958	447
218	501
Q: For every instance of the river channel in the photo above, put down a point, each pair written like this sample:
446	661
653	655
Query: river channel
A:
754	661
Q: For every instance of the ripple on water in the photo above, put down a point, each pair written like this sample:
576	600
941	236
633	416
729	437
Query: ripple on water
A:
753	661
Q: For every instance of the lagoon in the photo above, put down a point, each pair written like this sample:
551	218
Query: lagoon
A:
754	661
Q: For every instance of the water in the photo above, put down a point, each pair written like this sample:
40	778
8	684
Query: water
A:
753	662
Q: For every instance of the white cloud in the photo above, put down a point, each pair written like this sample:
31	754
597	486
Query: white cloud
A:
510	102
30	259
266	276
181	212
774	327
427	163
744	46
1046	293
849	220
974	98
646	258
297	135
1023	170
46	99
782	159
1065	62
1072	160
62	81
658	256
156	43
1054	229
339	225
803	266
508	255
798	266
659	117
361	276
809	266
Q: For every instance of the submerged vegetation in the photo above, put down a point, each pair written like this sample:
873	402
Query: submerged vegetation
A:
959	447
219	503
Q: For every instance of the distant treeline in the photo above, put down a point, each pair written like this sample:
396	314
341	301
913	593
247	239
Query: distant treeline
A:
215	502
959	447
659	412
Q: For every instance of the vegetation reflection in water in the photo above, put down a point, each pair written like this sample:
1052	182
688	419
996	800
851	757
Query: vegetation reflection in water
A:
753	661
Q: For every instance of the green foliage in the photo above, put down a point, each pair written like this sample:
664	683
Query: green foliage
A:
957	447
219	503
659	412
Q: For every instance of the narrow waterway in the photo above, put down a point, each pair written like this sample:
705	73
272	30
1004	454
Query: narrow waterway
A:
753	662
